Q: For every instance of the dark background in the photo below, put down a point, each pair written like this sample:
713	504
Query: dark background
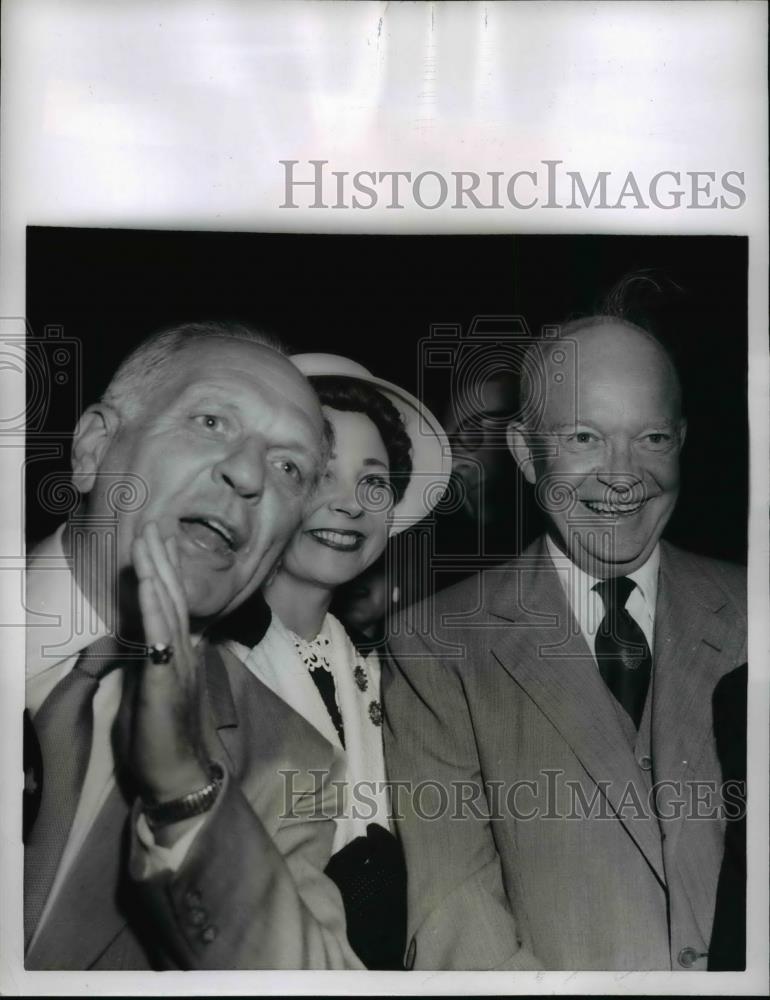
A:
93	294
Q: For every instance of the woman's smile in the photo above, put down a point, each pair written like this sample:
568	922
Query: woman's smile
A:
342	540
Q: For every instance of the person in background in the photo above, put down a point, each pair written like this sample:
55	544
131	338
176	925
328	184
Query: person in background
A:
476	422
366	604
727	950
388	462
486	515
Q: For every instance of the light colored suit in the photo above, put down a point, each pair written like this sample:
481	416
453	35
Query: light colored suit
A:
505	690
251	893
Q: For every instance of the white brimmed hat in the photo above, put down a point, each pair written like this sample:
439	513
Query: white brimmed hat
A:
431	454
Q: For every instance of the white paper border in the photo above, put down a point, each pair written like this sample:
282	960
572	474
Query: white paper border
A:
175	114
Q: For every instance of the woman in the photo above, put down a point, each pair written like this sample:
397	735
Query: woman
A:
388	466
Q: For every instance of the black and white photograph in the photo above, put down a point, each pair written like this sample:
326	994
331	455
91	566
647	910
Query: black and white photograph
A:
387	595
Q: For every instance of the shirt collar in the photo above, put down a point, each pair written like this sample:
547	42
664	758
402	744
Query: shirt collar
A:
61	622
646	579
577	582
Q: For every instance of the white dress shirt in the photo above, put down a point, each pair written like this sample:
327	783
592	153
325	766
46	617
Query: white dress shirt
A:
588	607
60	625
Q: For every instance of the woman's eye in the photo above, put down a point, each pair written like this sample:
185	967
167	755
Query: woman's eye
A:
376	481
375	493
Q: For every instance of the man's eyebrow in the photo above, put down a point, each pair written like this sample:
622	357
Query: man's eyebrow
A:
295	444
572	425
203	392
366	462
568	425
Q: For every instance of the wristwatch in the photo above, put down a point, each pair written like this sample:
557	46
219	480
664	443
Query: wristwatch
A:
193	804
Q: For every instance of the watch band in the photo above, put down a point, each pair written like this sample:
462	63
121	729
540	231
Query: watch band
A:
193	804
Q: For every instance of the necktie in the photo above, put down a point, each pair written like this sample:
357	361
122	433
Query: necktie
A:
324	681
622	652
64	727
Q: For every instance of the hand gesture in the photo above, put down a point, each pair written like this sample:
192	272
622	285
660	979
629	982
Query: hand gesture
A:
164	749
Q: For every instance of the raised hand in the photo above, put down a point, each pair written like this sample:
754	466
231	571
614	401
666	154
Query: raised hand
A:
164	751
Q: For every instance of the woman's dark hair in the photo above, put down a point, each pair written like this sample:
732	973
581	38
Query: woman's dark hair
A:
355	396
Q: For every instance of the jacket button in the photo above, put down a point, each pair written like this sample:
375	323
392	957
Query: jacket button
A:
208	934
645	763
197	917
687	957
192	898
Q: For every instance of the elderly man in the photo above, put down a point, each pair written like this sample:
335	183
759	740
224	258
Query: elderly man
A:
163	837
557	724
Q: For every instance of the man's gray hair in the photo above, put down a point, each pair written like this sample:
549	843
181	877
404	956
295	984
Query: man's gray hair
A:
150	364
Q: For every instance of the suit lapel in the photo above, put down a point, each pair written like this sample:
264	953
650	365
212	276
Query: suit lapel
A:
694	647
90	893
546	654
219	717
88	898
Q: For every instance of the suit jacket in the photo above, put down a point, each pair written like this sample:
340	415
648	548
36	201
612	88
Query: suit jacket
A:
547	850
251	892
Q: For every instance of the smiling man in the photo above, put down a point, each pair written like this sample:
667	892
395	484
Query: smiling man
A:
563	702
161	838
605	451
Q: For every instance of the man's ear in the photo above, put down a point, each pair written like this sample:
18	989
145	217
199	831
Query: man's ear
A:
96	429
517	438
682	432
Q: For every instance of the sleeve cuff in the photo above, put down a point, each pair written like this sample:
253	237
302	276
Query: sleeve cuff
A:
149	859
